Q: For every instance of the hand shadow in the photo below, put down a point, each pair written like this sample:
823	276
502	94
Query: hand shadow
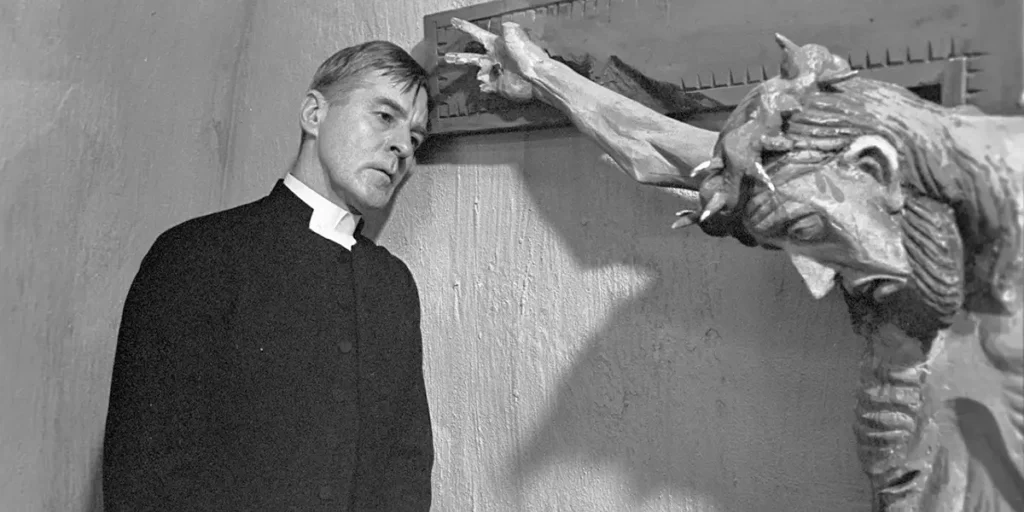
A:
992	475
94	493
720	381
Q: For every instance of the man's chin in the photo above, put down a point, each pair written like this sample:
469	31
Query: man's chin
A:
376	201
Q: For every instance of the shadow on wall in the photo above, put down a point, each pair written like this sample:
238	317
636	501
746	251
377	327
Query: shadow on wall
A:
94	497
708	383
990	470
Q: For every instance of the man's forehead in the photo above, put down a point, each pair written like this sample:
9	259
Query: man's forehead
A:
414	102
382	88
382	81
419	112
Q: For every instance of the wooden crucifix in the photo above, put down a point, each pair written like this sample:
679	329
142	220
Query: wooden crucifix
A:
873	142
695	59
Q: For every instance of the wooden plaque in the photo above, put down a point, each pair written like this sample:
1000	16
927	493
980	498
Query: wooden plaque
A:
694	58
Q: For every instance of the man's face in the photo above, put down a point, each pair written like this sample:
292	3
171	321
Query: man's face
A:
839	217
366	142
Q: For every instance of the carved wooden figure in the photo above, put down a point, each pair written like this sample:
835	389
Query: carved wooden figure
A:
914	210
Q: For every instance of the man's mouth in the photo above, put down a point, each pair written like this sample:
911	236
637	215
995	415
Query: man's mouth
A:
879	286
386	171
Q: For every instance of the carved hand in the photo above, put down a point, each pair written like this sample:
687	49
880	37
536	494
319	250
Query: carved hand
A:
649	147
508	64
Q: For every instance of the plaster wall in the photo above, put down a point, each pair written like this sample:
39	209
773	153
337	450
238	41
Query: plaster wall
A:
579	354
115	124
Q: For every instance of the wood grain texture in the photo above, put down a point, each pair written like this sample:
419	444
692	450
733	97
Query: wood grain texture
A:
699	56
584	356
915	209
580	355
575	347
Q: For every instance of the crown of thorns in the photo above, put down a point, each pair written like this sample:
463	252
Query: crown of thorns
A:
738	153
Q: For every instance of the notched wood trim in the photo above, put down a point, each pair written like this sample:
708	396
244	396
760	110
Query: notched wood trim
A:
460	108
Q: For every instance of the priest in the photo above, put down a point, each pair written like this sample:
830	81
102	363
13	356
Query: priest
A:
269	356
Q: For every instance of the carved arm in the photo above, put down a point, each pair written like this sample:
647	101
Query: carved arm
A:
651	148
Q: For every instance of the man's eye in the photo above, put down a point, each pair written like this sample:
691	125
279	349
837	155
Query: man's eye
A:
386	117
807	229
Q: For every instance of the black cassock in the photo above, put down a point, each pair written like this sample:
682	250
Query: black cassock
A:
260	366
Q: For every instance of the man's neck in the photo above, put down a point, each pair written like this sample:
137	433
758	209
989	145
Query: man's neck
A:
310	172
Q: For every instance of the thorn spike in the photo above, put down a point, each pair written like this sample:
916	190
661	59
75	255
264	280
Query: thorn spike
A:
714	205
683	222
763	177
714	163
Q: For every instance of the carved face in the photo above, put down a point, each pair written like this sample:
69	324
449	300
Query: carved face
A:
840	217
811	184
849	177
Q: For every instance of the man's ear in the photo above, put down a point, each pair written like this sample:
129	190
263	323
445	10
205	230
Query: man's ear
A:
878	158
313	112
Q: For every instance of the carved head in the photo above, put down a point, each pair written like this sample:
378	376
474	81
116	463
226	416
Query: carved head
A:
845	174
840	216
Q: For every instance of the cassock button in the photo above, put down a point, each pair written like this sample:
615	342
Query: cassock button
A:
326	492
346	346
338	394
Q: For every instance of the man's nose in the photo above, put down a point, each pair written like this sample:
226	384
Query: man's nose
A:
402	146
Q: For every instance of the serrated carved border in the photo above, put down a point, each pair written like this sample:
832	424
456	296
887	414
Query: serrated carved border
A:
459	109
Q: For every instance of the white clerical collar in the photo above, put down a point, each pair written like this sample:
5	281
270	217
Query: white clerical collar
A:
328	220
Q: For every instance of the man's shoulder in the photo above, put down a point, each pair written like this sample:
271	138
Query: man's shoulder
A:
382	254
215	224
208	235
388	267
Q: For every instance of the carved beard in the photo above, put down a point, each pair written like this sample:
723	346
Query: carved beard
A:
935	291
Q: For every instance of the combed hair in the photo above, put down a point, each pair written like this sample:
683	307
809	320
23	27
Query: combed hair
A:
349	64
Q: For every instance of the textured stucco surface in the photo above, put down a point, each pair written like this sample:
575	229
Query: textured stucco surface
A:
585	357
580	355
116	117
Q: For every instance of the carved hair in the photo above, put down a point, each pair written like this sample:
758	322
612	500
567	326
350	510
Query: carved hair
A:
832	119
806	121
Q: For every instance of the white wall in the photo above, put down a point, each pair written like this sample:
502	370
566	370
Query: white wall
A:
115	124
580	355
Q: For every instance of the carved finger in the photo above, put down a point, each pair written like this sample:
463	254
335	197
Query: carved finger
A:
484	37
686	219
781	143
513	31
703	165
707	167
467	59
487	82
518	43
716	203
